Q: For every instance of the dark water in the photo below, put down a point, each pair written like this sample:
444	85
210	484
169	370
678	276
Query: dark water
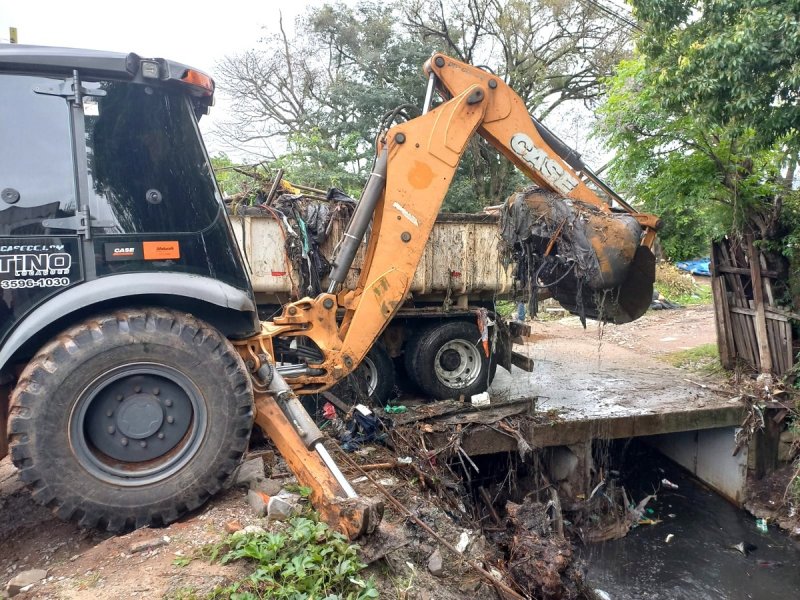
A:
698	563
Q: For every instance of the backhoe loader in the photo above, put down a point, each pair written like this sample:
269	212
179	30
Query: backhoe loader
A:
133	362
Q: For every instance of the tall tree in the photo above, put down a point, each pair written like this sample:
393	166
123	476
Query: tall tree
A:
322	93
706	119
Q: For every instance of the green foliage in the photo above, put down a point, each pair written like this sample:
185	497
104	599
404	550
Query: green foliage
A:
306	560
312	161
230	180
705	119
321	95
680	287
736	62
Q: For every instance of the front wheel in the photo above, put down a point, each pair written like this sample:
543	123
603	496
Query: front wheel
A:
447	360
131	418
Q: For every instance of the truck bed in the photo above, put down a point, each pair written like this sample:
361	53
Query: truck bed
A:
462	258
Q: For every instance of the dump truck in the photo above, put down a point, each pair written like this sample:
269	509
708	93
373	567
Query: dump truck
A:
461	275
133	362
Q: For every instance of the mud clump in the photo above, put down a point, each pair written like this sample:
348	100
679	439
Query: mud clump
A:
541	563
545	568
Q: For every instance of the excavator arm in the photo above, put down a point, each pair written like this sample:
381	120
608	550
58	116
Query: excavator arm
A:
415	164
528	143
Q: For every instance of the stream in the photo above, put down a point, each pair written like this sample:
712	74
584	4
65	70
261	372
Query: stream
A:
699	562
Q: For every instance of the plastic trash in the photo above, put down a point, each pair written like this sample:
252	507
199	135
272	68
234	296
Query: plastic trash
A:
744	547
395	410
481	399
668	484
670	537
463	542
762	525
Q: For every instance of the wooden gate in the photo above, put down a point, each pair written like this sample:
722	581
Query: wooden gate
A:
750	327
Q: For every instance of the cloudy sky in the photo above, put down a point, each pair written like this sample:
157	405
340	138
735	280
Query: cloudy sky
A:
175	29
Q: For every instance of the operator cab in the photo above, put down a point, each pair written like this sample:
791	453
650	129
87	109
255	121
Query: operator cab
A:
103	172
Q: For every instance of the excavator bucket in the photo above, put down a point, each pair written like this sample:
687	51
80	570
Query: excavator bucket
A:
589	259
621	304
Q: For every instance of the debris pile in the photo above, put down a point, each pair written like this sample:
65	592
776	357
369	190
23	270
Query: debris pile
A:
590	260
306	217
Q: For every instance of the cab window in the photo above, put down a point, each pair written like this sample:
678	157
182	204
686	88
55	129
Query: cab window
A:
36	170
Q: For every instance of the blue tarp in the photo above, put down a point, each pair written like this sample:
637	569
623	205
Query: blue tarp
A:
696	267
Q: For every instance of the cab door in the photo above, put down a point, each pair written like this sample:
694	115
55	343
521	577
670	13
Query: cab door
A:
39	256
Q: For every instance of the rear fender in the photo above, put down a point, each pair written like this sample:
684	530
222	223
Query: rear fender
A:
231	310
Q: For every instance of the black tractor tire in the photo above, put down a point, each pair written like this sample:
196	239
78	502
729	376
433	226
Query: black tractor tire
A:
447	360
377	369
131	418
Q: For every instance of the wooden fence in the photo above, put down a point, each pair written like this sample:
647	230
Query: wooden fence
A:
750	327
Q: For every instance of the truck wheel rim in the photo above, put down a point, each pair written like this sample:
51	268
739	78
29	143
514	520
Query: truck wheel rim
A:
370	374
137	424
457	364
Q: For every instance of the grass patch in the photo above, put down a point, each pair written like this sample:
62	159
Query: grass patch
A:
678	286
304	559
702	359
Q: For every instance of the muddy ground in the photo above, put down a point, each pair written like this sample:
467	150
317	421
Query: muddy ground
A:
88	564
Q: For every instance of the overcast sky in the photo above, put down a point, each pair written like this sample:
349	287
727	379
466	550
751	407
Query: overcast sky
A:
175	29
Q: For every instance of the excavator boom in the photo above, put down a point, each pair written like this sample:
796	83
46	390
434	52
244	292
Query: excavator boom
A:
415	164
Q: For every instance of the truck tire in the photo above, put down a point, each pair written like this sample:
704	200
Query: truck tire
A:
378	371
131	418
447	360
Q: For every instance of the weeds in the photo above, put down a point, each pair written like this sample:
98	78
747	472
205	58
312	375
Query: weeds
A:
702	359
678	286
306	559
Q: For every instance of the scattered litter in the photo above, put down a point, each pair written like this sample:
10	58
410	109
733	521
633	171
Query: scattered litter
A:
762	525
769	563
405	460
701	266
463	542
361	479
601	595
388	481
744	547
672	515
668	484
395	410
481	399
670	537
